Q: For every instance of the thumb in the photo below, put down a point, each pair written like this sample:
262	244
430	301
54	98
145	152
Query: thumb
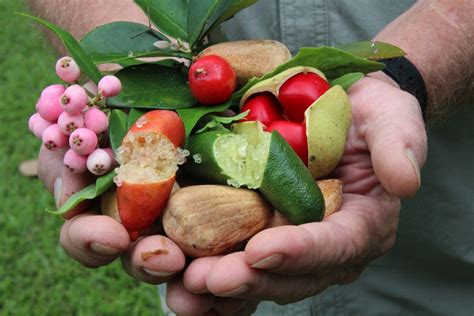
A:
391	123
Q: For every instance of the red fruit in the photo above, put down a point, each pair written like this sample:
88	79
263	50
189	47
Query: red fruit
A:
295	135
148	161
212	80
299	92
264	107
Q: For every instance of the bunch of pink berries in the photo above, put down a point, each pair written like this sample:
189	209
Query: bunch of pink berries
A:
68	116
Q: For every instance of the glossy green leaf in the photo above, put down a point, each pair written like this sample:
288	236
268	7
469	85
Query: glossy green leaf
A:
153	86
217	122
133	116
169	16
202	15
191	117
372	50
73	47
120	41
118	127
333	62
345	81
90	192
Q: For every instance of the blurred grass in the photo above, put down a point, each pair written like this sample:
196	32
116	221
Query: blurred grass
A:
36	275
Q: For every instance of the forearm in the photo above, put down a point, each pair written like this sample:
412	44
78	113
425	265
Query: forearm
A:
437	36
79	17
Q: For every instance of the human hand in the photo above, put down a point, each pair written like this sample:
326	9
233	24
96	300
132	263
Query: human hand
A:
385	147
95	240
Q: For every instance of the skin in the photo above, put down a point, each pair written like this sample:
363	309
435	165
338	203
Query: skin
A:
376	176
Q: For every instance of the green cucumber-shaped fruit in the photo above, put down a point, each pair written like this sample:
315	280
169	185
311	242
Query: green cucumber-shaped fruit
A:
327	123
256	159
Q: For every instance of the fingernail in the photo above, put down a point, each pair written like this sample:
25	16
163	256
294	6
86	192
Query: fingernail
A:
58	190
411	157
103	249
270	262
158	273
238	291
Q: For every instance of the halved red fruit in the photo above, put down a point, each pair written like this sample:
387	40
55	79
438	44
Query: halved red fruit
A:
149	157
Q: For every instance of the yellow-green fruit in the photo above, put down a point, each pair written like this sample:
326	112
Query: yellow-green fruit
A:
251	58
327	123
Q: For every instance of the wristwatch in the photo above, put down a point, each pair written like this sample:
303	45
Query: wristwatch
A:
403	72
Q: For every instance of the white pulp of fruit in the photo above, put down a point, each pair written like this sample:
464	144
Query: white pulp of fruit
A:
243	155
146	157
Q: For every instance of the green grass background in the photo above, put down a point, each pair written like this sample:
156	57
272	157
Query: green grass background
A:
36	276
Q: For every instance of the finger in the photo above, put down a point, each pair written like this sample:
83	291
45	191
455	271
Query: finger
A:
154	259
362	230
61	181
194	278
94	240
390	121
247	283
183	302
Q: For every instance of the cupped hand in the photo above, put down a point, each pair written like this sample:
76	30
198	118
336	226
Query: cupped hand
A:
95	240
385	148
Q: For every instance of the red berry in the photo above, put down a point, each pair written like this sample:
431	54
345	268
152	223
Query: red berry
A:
299	92
295	135
212	80
264	107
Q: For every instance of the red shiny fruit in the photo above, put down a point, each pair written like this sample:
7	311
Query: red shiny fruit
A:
299	92
212	80
264	107
295	135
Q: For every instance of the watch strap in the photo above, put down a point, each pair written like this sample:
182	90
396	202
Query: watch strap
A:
405	74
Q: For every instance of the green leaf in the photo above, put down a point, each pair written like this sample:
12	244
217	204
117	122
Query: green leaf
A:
73	47
202	15
133	116
347	80
118	127
372	50
90	192
333	62
191	116
169	16
120	41
237	6
153	87
219	121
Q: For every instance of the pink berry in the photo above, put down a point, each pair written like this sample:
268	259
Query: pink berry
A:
109	86
74	162
33	120
53	138
40	126
67	69
99	162
48	105
74	99
83	141
69	123
96	120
